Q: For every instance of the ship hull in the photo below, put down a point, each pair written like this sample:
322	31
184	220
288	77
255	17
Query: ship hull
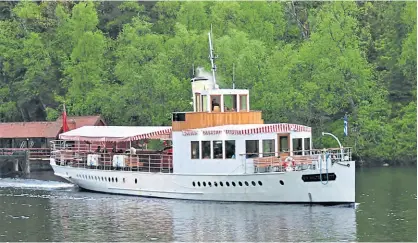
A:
279	187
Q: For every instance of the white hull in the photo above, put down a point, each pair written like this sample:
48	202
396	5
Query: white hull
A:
180	186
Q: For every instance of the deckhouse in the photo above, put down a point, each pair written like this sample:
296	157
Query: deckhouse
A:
222	133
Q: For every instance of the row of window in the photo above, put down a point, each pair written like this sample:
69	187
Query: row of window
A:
204	184
100	178
225	149
217	149
227	183
229	102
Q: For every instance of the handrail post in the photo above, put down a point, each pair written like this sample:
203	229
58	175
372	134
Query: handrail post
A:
149	163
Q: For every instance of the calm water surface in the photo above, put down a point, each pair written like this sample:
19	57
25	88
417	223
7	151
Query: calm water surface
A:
33	210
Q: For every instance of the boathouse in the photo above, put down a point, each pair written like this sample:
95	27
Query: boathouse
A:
39	134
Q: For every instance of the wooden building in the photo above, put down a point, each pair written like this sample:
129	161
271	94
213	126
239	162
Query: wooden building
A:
39	134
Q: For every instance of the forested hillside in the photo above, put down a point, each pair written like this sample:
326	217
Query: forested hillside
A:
304	62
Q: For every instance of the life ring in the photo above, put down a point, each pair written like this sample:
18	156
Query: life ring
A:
289	160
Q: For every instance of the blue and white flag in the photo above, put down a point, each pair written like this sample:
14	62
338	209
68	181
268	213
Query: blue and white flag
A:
345	125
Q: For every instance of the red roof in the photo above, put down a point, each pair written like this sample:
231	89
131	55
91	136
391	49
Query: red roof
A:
29	129
46	129
81	121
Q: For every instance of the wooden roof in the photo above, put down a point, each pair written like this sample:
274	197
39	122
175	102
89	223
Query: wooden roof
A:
46	129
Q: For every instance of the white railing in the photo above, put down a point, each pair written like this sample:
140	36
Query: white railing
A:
83	157
285	162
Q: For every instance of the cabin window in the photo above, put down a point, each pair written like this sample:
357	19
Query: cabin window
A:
204	103
268	147
251	148
217	149
230	149
284	143
243	103
215	103
206	150
230	102
195	149
307	145
297	146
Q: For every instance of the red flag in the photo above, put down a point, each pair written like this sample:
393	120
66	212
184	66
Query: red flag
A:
64	121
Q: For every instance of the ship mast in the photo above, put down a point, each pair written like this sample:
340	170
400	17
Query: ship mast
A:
212	58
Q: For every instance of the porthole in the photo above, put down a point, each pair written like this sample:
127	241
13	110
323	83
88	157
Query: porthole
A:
281	182
123	180
253	183
240	183
113	179
108	179
198	183
136	181
215	184
204	183
209	184
193	183
116	179
246	183
260	183
221	184
233	183
227	183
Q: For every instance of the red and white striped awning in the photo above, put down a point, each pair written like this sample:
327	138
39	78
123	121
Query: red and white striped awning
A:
249	129
116	133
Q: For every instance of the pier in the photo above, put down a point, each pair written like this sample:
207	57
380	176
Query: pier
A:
24	160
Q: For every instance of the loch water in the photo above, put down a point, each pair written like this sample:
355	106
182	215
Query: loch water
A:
46	210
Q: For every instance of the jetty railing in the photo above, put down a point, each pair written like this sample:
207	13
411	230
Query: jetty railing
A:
34	153
294	161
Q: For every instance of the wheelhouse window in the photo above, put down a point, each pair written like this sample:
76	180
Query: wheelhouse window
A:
268	147
195	149
206	150
198	103
204	103
217	149
243	103
229	149
307	145
297	146
216	103
251	148
230	102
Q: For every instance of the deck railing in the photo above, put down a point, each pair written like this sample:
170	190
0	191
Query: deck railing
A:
146	162
300	160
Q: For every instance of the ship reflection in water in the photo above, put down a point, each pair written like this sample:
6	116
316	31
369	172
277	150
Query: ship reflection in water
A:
32	211
110	218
